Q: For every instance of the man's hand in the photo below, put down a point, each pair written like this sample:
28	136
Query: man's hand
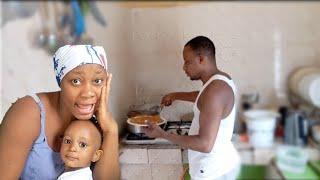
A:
153	130
168	99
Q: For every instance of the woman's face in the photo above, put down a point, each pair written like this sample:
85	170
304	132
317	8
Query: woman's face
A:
81	89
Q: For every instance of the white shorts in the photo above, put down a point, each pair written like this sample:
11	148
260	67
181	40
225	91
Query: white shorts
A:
231	175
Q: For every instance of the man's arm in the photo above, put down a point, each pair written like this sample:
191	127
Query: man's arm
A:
211	105
183	96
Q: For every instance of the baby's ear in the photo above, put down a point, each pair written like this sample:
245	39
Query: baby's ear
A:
97	155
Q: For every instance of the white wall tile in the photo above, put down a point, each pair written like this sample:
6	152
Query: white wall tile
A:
166	171
134	156
135	172
164	156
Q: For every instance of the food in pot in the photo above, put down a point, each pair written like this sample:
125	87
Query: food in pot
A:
143	119
133	114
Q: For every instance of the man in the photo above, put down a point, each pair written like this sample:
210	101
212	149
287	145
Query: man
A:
211	153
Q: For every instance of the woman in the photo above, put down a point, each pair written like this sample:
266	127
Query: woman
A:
32	129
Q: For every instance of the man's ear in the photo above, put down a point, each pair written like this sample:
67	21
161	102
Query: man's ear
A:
201	58
97	155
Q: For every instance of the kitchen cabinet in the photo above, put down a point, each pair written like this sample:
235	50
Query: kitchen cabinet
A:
163	162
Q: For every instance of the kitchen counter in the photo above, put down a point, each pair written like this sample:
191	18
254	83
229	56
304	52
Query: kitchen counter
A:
167	160
149	146
150	161
309	173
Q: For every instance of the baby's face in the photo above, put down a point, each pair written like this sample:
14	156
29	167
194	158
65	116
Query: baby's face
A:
80	145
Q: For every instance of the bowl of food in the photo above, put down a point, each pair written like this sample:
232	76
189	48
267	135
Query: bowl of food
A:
136	123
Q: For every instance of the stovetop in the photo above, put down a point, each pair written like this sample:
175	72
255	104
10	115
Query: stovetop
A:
138	136
175	127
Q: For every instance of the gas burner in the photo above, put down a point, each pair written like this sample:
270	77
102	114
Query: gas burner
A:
178	127
138	136
174	127
181	124
178	131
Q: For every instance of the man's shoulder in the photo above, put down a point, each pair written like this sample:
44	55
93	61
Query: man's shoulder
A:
218	86
217	90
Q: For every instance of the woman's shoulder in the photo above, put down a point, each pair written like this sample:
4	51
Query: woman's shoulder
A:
25	105
24	114
48	97
26	111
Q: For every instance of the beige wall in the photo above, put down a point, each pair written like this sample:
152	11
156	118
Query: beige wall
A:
258	43
27	69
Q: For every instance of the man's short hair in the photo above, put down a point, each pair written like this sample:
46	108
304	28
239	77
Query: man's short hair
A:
202	45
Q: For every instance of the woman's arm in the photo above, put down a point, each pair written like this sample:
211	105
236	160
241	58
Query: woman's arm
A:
108	166
19	129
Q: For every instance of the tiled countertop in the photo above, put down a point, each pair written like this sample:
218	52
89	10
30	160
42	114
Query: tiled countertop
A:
150	146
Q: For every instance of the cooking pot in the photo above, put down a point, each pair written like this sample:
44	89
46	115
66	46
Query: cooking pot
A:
136	123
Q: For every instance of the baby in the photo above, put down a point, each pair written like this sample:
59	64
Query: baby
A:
80	146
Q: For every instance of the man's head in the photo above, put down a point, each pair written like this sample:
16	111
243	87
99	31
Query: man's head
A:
198	54
81	144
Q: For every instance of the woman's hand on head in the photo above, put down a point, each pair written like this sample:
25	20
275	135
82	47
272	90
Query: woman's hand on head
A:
104	116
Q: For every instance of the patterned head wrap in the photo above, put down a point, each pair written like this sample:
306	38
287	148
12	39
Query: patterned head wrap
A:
69	57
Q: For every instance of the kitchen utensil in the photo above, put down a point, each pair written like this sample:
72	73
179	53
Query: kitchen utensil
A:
136	128
296	128
96	13
42	37
156	109
79	26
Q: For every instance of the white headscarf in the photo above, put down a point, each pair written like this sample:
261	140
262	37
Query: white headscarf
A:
69	57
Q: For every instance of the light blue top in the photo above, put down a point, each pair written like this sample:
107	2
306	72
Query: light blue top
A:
42	162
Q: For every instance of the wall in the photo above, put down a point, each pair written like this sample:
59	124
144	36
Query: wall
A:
21	59
258	43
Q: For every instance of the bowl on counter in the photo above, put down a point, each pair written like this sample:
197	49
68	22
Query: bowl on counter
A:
261	125
291	158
